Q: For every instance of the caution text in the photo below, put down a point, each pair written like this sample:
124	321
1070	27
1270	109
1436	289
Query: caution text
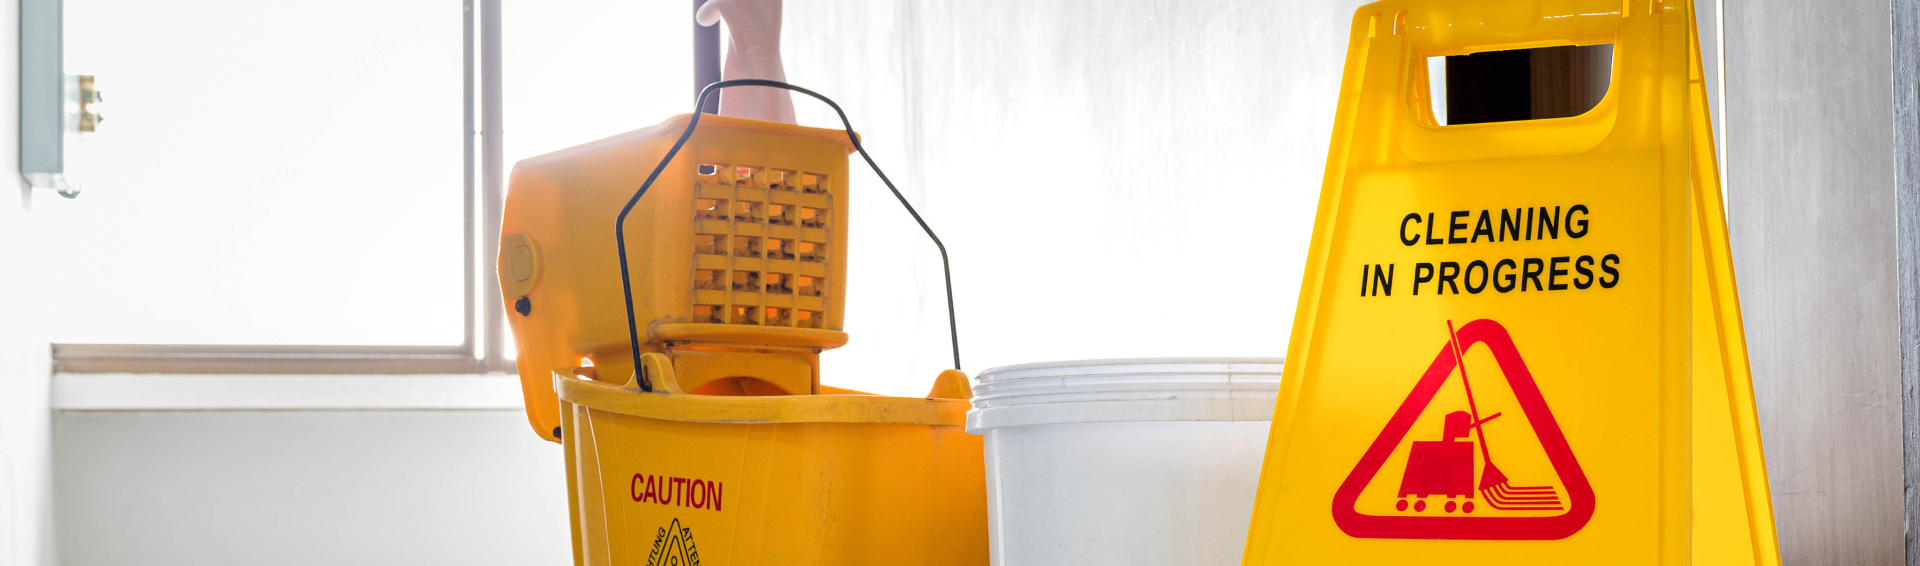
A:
679	492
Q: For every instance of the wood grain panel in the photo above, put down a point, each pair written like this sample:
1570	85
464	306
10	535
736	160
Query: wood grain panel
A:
1810	170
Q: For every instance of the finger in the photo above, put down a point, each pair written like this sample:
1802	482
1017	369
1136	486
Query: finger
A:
708	14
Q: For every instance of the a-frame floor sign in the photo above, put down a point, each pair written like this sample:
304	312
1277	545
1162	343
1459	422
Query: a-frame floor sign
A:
1518	342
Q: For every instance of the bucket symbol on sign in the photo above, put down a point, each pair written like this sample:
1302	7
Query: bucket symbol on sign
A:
1449	484
1445	466
1441	467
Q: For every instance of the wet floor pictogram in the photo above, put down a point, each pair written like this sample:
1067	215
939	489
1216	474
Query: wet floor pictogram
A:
1448	442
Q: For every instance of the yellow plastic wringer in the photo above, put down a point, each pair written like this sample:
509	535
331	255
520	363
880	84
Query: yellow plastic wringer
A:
724	448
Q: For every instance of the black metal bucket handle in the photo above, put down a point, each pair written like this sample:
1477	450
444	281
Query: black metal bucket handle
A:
620	224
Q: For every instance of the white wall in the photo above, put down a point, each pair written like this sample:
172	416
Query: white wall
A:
307	487
1114	179
25	531
25	503
24	467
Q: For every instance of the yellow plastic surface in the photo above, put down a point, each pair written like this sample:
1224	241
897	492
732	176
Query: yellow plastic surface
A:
740	455
798	480
1615	402
1732	506
738	247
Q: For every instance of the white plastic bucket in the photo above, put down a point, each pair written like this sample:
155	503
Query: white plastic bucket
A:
1134	461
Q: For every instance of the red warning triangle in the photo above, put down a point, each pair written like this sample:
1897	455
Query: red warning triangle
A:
1445	467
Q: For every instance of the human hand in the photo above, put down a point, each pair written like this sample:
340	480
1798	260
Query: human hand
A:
753	29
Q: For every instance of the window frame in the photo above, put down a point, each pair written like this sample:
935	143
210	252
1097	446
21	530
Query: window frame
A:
483	343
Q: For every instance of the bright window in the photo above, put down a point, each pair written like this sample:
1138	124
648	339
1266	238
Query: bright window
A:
581	70
293	175
267	173
577	71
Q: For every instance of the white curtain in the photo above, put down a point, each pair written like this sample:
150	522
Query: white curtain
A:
1113	178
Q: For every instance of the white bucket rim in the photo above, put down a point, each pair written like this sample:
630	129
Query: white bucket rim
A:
1125	390
1138	366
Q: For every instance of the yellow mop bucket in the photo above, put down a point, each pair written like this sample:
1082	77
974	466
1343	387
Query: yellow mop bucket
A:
724	448
787	479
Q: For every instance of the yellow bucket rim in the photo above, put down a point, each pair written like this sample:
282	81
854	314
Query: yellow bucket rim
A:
770	409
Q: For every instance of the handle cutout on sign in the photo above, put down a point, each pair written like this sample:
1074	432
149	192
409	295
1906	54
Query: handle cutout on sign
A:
1517	85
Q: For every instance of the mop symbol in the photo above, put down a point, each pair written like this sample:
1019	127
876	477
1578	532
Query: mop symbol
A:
1445	467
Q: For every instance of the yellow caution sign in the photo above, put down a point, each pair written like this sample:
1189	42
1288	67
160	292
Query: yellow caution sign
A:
1732	508
1517	342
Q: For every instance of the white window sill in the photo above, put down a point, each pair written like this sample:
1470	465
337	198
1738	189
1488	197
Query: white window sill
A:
174	392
